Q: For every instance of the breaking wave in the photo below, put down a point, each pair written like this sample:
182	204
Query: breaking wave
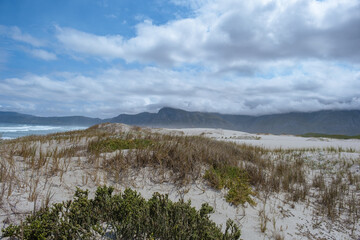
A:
11	131
26	128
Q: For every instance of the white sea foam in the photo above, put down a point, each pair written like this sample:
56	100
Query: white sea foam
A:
6	138
26	128
11	131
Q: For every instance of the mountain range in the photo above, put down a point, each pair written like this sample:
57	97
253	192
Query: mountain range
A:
345	122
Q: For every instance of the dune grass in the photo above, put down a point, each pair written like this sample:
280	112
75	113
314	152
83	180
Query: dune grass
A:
245	172
113	144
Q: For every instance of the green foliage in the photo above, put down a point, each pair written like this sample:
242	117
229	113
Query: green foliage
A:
235	180
113	144
122	216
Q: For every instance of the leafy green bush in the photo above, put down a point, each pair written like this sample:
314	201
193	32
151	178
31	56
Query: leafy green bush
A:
235	180
122	216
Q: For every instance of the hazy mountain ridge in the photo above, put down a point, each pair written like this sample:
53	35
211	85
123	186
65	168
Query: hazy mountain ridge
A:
328	121
19	118
170	117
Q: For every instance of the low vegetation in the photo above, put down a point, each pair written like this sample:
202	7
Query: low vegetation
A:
113	144
109	154
235	180
122	216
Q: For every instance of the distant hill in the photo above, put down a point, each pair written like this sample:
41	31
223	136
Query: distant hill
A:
326	122
346	122
18	118
170	117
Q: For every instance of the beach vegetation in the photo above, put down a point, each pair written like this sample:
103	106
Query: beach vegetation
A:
113	144
235	180
126	215
117	154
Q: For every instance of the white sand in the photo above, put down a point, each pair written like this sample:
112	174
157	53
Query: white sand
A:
285	219
268	140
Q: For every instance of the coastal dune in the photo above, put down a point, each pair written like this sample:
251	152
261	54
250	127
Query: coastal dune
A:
272	141
40	170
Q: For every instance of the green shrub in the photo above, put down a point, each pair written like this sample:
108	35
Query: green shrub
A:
235	180
122	216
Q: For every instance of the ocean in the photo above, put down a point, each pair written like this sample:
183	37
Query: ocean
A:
11	131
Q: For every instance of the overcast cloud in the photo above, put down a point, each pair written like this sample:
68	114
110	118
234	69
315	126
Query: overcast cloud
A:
229	31
229	56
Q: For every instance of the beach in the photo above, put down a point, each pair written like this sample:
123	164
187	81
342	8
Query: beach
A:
275	215
11	131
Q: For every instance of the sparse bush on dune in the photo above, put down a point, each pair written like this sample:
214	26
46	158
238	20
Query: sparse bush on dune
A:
185	157
234	179
113	144
121	216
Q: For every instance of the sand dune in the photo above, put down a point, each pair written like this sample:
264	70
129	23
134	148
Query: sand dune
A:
284	218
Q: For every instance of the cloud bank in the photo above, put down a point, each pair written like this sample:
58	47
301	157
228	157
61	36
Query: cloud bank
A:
314	86
229	32
243	57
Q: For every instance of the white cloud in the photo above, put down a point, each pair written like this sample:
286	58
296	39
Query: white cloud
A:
228	31
16	34
3	58
42	54
231	56
101	46
194	4
153	44
111	16
115	91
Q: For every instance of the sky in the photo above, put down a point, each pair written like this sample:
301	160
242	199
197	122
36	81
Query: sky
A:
100	58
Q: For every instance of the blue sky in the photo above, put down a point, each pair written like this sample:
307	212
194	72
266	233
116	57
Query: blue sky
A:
104	57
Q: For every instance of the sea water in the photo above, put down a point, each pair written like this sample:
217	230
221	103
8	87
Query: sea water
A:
11	131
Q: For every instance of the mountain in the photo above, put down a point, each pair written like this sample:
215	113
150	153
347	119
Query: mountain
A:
170	117
346	122
18	118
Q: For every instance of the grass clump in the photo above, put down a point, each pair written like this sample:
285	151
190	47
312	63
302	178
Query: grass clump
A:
113	144
235	180
122	216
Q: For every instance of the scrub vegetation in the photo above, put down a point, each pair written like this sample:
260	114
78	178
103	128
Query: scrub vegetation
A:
111	153
125	215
